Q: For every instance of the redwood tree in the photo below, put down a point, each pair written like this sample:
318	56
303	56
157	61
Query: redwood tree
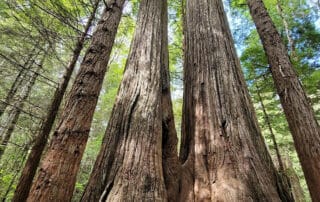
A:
299	113
57	175
129	165
222	150
29	170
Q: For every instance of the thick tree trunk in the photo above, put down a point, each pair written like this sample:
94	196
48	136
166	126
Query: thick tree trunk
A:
129	165
29	170
299	113
57	175
170	161
222	150
14	113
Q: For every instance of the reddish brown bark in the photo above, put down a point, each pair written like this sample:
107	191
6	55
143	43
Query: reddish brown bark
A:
222	150
57	175
299	113
29	170
129	165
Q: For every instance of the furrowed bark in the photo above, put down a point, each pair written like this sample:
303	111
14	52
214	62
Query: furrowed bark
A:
57	175
129	165
299	113
29	170
222	150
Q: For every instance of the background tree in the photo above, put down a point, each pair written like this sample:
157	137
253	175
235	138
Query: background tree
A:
299	113
299	15
28	30
25	181
57	175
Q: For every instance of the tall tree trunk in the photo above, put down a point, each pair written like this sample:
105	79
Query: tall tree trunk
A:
29	170
57	175
299	113
129	165
15	111
222	150
170	161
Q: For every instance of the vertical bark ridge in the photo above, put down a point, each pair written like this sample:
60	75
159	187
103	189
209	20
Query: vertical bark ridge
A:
299	113
129	165
57	175
223	153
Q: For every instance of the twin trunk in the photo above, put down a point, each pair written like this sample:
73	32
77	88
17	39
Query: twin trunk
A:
139	147
223	153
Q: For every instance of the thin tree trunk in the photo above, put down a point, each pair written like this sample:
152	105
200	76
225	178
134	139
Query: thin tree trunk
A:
282	174
15	111
5	196
17	84
12	91
129	165
29	170
57	175
273	137
223	152
170	161
299	113
297	190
